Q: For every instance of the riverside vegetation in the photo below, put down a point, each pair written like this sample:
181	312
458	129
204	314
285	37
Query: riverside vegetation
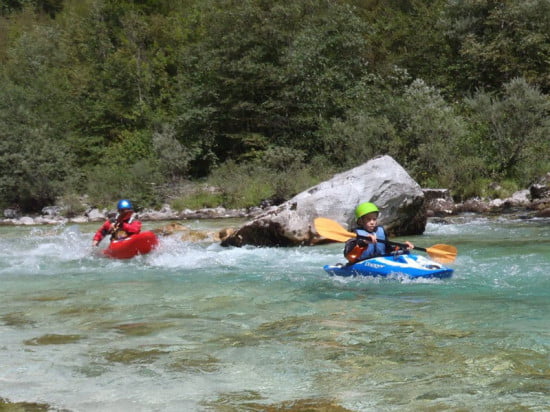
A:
203	103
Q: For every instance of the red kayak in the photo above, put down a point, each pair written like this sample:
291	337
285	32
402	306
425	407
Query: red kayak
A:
127	248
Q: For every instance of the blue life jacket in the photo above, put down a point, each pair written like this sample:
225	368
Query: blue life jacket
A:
373	249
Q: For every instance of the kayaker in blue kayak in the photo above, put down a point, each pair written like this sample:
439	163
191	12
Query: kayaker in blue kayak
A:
123	225
366	245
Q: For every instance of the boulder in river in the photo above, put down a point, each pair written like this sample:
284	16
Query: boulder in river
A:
381	180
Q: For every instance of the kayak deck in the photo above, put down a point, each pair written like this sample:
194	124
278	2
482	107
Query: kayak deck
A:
409	265
139	244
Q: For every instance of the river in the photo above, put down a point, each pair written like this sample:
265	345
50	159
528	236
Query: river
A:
198	327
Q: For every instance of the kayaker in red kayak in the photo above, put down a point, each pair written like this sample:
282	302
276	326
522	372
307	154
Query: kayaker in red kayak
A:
366	244
123	225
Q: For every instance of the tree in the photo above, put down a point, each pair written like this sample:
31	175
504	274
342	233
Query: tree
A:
34	163
514	131
36	160
493	42
266	73
50	7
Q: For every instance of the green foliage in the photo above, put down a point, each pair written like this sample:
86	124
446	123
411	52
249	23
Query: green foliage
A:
50	7
486	188
173	157
361	136
72	204
242	185
266	98
504	189
198	199
428	132
270	70
33	171
515	128
278	175
406	34
417	127
493	42
107	184
129	148
35	161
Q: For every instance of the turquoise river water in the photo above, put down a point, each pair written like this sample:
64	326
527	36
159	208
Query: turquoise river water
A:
199	327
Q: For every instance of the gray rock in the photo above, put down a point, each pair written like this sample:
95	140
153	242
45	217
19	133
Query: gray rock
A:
436	194
95	215
49	220
438	202
474	205
52	211
26	220
381	180
521	198
12	213
541	188
165	213
79	219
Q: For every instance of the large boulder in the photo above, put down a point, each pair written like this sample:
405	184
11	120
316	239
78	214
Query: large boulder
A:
381	180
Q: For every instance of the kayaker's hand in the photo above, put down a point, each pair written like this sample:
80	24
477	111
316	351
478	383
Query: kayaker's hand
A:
95	243
362	242
409	245
114	227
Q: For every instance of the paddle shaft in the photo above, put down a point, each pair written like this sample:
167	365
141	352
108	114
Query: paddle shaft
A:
403	245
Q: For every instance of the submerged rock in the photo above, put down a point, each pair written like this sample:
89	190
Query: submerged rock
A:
381	180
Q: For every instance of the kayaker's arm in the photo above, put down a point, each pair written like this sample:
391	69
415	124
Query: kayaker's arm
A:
355	247
103	231
406	245
131	228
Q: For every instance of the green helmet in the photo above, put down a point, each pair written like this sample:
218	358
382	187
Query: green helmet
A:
364	209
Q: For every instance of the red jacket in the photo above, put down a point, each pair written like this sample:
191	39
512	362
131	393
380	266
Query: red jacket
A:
128	224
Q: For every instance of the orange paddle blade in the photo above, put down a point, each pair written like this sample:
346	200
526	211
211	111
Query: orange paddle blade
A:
442	253
332	230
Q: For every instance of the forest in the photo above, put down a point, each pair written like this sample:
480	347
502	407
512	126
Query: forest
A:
201	103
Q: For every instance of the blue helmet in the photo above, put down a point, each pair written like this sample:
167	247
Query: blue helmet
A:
124	204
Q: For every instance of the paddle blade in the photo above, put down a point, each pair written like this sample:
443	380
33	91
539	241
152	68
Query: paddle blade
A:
442	253
332	230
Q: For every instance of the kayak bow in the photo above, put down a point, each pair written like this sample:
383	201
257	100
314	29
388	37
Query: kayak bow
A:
139	244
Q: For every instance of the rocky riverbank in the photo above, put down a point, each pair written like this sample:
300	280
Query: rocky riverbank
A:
524	203
54	215
438	203
529	203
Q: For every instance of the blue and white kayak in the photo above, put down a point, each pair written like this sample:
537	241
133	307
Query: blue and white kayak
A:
409	265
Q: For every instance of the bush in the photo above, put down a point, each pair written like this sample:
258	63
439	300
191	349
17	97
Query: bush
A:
276	176
197	200
512	131
242	185
174	158
71	204
108	183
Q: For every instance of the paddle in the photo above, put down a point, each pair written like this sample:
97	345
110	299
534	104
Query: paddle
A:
334	231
